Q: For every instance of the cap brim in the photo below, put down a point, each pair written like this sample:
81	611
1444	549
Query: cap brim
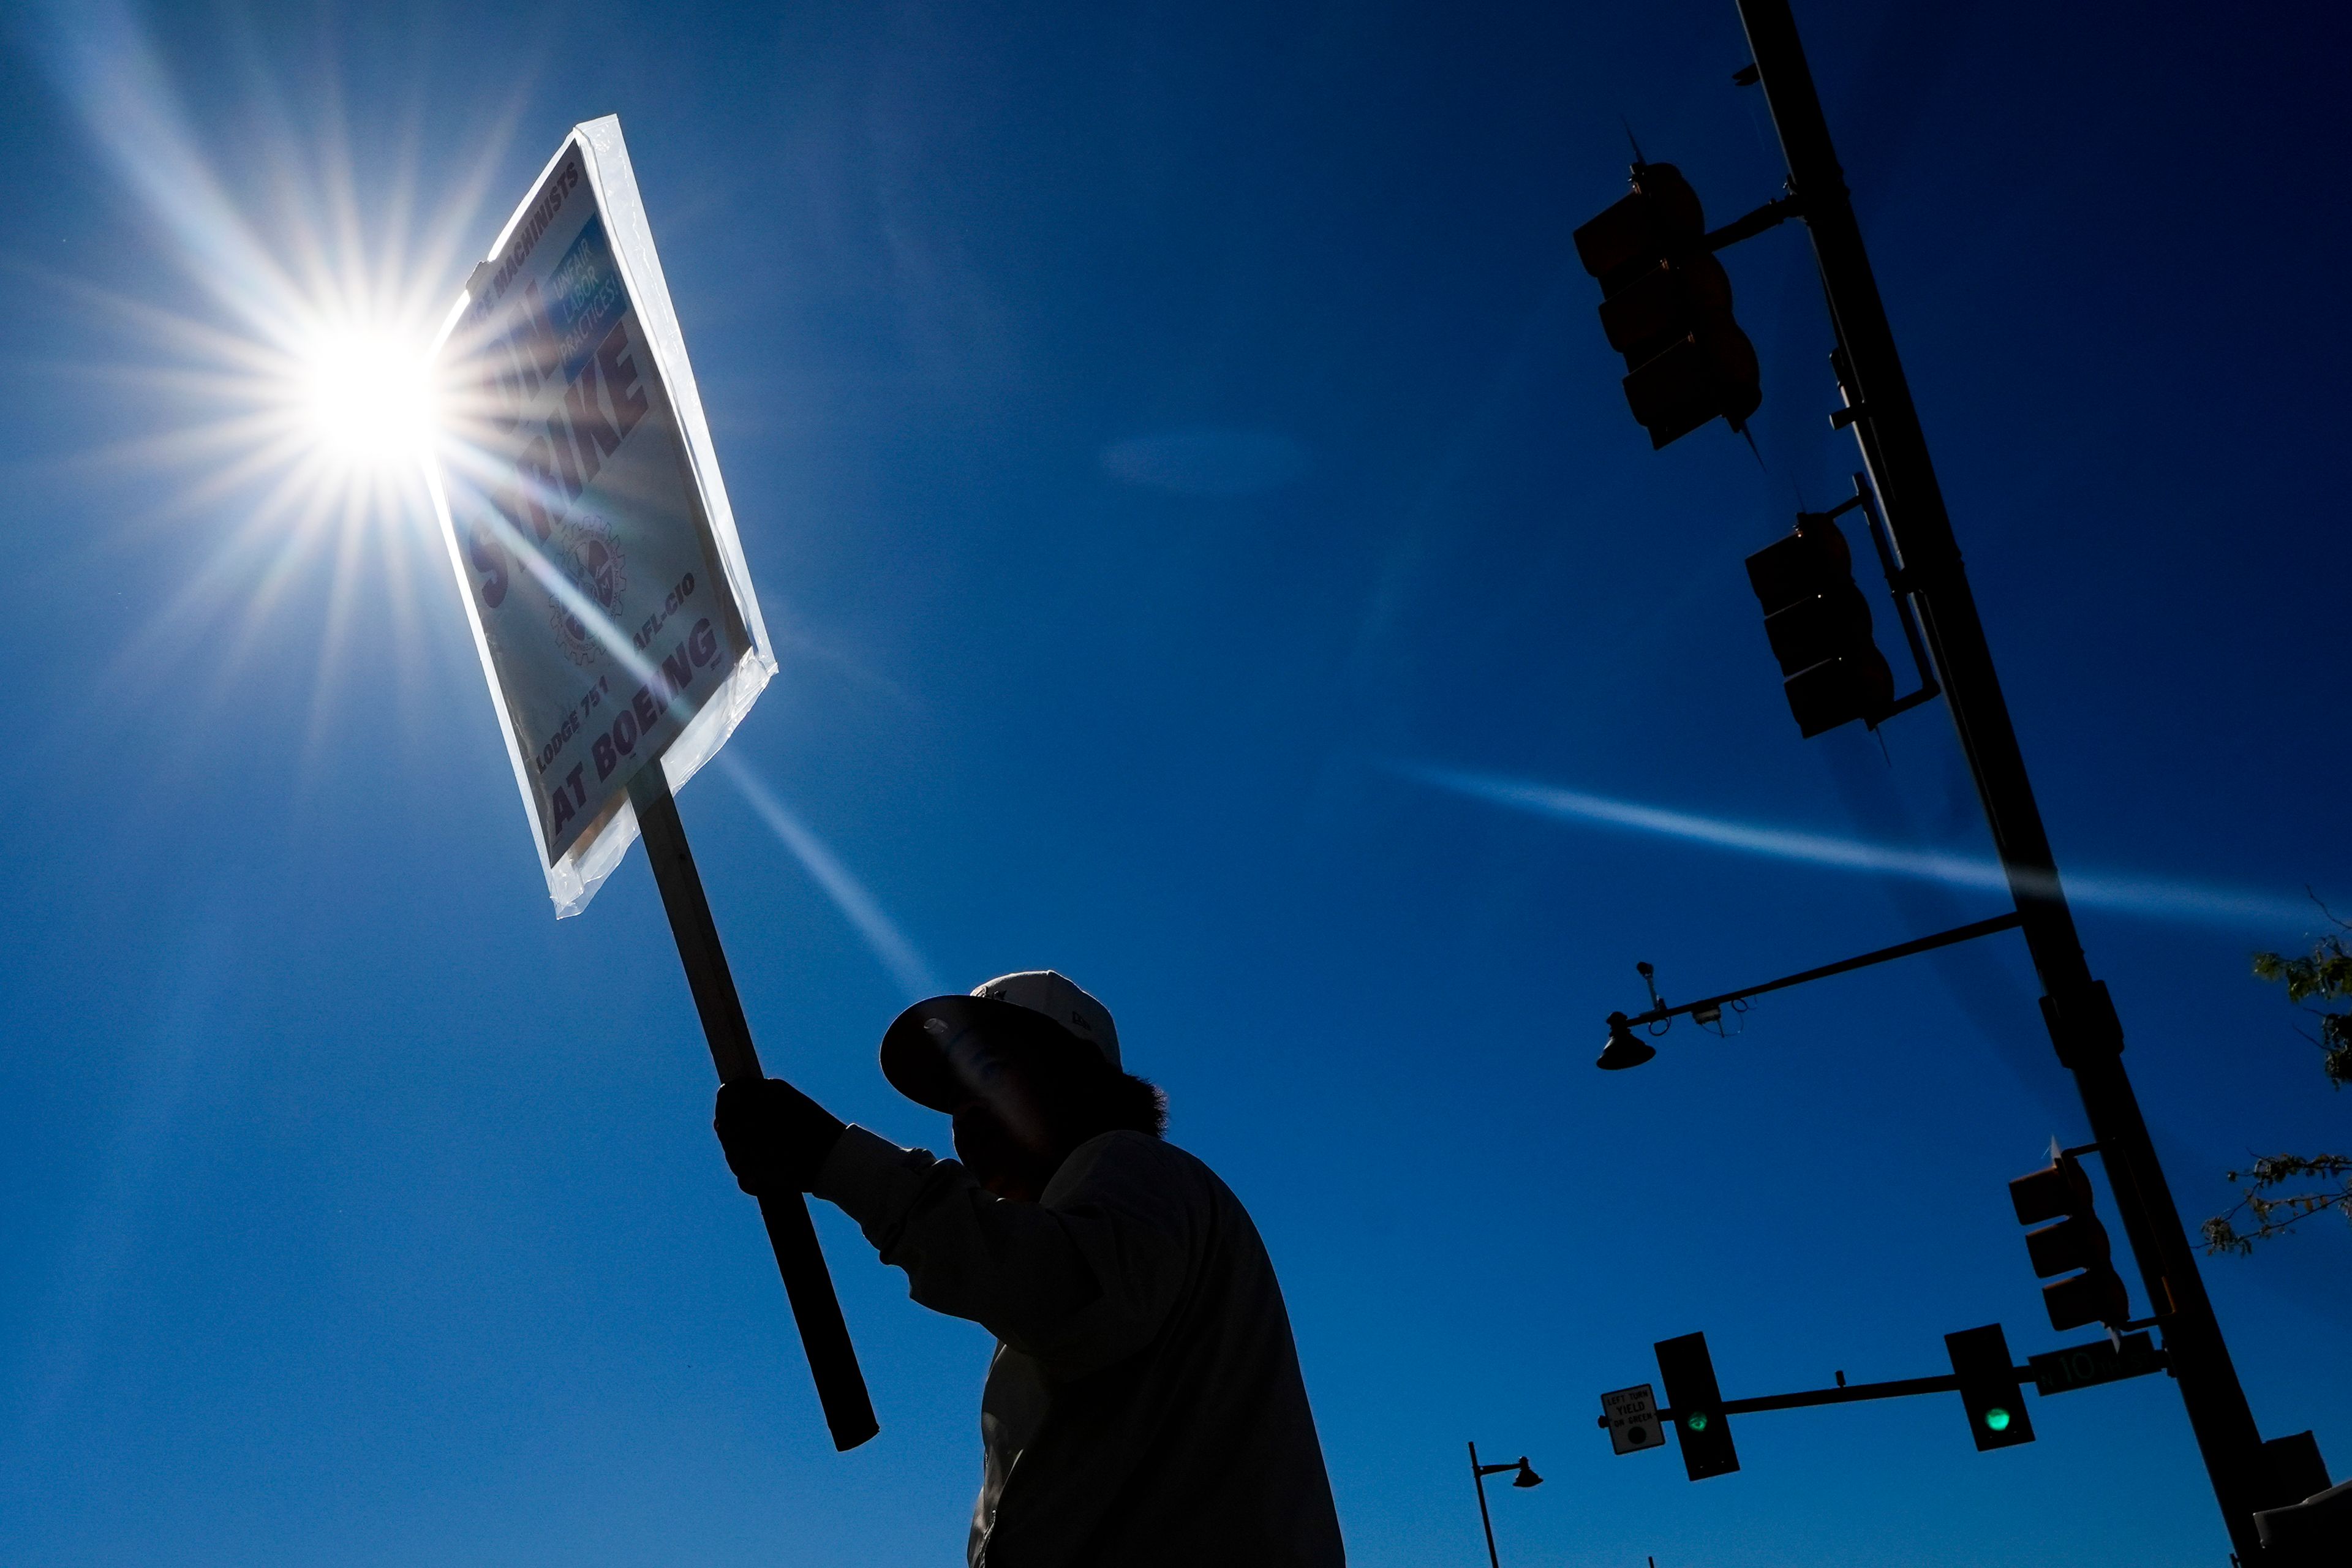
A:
914	1061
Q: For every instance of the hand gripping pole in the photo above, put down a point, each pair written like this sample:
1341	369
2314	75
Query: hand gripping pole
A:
833	1360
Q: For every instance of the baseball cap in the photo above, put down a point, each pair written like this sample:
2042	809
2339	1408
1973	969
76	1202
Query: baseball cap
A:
935	1052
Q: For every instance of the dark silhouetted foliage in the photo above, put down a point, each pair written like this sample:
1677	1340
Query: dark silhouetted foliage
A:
2284	1190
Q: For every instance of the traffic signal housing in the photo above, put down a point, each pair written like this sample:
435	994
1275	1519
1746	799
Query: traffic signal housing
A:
1818	625
2075	1245
1988	1387
1666	307
1700	1425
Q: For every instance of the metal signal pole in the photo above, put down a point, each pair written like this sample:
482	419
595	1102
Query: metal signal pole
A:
2081	1019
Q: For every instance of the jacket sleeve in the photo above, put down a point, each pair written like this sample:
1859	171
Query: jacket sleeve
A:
1078	1282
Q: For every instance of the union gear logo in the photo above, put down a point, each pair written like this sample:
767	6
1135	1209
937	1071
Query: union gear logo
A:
585	550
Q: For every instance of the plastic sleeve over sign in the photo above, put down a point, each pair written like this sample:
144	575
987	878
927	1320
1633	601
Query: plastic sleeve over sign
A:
581	503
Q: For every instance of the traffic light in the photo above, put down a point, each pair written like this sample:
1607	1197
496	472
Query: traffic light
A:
1819	623
1705	1432
1666	307
2060	1190
1996	1406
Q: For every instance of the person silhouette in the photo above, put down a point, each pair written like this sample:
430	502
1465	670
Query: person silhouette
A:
1144	1403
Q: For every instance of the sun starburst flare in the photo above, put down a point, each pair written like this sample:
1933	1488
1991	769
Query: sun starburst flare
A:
368	397
285	398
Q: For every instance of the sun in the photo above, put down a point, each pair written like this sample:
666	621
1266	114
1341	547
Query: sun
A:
368	397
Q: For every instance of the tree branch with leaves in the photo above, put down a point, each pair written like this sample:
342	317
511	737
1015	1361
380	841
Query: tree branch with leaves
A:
2284	1189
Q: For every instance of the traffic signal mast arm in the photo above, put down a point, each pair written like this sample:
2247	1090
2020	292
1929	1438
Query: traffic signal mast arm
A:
1898	1388
2044	1372
1771	214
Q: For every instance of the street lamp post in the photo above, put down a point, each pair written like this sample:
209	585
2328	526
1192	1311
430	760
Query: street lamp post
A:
1624	1050
1478	1474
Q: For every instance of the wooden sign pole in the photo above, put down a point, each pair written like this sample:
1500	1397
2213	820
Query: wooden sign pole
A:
833	1360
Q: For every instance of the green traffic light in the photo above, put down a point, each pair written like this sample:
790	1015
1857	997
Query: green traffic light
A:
1698	1422
1997	1418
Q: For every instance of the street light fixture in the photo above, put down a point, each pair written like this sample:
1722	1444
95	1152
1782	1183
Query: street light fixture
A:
1623	1049
1478	1474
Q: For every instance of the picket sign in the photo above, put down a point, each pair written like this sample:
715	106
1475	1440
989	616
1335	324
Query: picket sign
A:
578	496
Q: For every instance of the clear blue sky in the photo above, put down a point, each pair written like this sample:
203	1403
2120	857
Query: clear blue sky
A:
1156	432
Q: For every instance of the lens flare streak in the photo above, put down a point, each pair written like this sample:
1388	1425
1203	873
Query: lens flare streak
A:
2148	898
859	905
